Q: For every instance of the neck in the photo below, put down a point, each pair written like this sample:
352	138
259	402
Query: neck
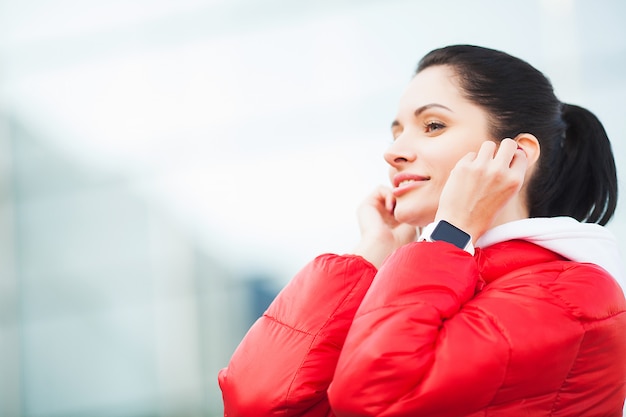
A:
515	209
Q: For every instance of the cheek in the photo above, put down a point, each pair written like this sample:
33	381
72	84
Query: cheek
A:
446	160
444	166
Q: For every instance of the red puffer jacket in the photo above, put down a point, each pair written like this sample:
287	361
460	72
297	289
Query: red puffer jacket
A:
515	330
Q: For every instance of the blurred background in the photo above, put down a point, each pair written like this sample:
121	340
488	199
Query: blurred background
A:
167	166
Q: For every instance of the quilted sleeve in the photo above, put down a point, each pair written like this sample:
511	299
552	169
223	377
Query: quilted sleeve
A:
286	361
409	352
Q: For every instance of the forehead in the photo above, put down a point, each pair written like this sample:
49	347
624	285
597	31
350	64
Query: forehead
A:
437	84
436	87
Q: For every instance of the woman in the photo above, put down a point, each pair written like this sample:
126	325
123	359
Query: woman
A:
507	304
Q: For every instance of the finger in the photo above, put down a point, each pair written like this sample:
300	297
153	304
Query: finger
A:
505	153
469	157
486	152
519	163
384	198
390	202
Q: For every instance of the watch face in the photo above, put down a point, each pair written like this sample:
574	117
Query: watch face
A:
451	234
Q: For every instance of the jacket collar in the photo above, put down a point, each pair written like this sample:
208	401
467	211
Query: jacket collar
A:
579	242
501	258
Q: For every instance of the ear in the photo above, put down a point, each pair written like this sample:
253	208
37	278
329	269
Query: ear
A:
530	145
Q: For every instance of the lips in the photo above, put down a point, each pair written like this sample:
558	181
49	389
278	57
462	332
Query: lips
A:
405	182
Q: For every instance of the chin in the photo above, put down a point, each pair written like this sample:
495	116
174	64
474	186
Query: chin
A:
414	217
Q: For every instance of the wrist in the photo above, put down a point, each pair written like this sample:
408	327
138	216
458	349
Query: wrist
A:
442	230
373	251
461	222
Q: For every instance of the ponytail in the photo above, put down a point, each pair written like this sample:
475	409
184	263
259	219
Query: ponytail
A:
577	177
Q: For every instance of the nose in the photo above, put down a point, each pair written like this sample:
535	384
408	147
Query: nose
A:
399	153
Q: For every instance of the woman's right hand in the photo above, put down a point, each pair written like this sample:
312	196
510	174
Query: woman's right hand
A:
381	233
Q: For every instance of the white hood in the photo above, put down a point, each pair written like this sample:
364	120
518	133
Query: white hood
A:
580	242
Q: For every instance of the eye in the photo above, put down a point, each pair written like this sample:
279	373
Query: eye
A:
433	125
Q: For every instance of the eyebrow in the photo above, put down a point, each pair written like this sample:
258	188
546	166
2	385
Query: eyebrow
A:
421	110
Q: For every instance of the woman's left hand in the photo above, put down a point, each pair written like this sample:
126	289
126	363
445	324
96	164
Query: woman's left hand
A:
481	184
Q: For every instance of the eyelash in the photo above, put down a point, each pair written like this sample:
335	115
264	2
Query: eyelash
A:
429	126
433	125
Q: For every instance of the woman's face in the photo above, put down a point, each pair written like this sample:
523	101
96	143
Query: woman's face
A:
435	127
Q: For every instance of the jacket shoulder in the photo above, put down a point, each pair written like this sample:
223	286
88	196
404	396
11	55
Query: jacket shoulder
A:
575	309
588	291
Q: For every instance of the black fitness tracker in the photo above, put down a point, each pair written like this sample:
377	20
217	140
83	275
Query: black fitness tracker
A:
446	232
